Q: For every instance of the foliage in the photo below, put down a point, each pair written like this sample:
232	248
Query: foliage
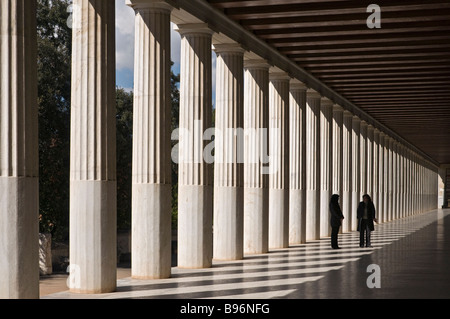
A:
54	66
124	138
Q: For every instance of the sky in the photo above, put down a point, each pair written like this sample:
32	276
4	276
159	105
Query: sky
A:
125	47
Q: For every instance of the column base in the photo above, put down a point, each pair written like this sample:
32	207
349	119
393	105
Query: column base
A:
151	255
93	237
195	226
278	218
297	217
228	223
19	238
256	220
313	215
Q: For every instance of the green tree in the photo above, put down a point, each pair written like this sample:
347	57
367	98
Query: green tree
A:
54	77
124	137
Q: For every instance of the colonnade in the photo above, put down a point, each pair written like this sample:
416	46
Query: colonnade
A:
269	187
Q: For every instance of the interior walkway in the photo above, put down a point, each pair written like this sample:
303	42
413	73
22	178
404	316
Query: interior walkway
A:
413	255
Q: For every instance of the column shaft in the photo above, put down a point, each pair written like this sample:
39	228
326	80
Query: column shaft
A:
313	165
256	182
152	174
326	156
19	158
386	177
356	173
194	173
297	163
347	171
228	166
279	160
363	159
93	254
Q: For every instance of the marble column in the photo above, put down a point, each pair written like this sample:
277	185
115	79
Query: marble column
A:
390	179
152	173
363	159
370	161
337	155
93	253
228	163
386	178
401	177
195	206
347	171
256	180
380	203
297	163
326	166
19	158
279	160
374	172
312	165
394	180
337	151
356	173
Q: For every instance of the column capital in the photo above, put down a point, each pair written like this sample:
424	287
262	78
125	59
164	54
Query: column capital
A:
194	28
256	64
311	93
156	5
326	102
279	76
347	113
232	47
297	85
337	108
356	119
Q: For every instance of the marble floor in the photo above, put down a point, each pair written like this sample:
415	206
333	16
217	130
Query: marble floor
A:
411	257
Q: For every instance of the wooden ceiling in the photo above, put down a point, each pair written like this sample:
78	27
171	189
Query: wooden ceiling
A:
399	73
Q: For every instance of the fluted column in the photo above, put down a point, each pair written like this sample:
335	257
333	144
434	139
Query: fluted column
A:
337	151
279	160
326	156
386	179
356	173
152	174
93	254
394	180
370	161
400	181
297	163
19	158
256	180
390	180
374	171
380	203
228	164
363	159
312	165
195	209
347	171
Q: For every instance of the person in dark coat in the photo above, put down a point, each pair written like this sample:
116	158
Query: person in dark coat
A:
335	220
366	217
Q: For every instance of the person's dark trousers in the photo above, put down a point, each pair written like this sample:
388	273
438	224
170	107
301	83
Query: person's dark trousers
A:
334	236
364	233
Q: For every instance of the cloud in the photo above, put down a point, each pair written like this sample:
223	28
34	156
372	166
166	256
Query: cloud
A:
124	36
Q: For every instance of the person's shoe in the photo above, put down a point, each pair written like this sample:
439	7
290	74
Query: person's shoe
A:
336	247
361	246
369	246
